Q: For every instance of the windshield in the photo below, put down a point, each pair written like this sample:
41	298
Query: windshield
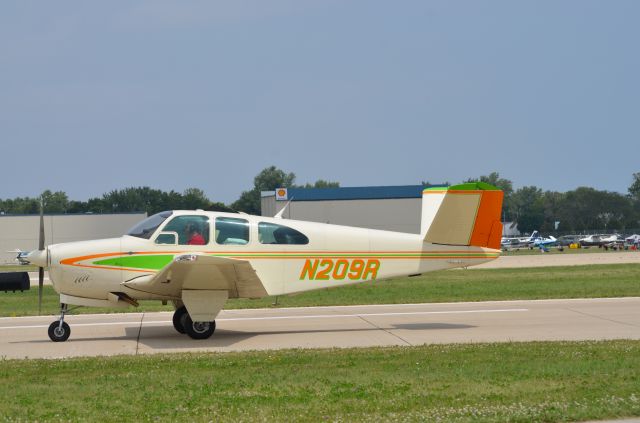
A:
147	227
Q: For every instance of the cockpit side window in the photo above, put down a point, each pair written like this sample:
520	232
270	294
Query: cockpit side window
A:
271	233
231	230
147	227
191	230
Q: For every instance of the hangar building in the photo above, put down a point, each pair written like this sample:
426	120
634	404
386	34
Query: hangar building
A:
392	208
21	231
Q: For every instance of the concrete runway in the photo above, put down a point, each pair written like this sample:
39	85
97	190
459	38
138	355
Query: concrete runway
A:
326	327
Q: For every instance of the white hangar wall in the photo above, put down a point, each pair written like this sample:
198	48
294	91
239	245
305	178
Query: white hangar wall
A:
22	231
391	208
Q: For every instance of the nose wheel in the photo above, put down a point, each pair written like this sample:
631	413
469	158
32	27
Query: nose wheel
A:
59	330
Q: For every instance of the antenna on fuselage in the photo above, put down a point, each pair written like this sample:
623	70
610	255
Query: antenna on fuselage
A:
281	212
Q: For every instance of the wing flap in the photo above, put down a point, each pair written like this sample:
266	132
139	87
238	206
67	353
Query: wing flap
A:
201	272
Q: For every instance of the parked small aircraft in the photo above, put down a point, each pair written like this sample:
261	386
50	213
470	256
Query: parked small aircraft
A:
198	259
633	239
591	240
541	242
615	238
519	242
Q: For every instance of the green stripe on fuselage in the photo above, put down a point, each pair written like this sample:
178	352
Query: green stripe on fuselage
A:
152	262
157	262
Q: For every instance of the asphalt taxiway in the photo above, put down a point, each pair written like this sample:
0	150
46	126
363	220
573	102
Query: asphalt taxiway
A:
331	327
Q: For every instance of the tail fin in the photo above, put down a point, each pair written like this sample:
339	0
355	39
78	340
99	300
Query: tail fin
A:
466	214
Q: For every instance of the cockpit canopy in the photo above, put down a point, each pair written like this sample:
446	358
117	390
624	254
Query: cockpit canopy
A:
147	227
193	229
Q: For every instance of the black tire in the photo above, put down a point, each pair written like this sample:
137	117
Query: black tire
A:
59	333
198	330
178	319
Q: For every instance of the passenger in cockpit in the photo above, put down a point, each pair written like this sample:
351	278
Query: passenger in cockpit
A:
193	235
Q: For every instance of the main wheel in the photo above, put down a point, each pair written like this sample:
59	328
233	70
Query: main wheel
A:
178	319
198	330
59	333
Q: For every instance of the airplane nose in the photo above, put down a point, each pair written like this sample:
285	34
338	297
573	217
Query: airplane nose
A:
38	258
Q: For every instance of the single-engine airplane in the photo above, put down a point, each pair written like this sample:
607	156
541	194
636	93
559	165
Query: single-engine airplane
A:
542	242
198	259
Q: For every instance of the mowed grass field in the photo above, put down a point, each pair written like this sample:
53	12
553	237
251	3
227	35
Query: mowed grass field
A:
592	281
516	382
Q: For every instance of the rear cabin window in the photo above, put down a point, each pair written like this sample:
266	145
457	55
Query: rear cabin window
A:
191	230
232	231
271	233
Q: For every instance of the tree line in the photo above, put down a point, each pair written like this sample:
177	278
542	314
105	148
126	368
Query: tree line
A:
581	209
532	208
145	199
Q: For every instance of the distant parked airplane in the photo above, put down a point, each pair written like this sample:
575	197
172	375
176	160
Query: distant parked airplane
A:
544	242
519	242
591	240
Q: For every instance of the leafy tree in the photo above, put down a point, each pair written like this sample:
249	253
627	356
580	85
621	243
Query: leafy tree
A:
429	184
77	207
494	179
219	207
21	205
634	189
527	208
195	198
552	203
138	199
587	208
55	202
321	183
268	179
507	188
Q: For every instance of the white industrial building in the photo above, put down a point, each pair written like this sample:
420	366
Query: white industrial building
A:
392	208
21	231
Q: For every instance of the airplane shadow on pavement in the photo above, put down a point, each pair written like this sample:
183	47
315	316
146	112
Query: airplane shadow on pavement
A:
165	337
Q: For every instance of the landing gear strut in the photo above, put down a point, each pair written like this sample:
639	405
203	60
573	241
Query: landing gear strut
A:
59	330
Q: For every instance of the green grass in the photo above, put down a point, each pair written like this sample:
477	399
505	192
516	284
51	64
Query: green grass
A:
593	281
17	268
518	382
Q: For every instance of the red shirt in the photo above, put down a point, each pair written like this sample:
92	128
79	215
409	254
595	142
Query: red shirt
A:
196	239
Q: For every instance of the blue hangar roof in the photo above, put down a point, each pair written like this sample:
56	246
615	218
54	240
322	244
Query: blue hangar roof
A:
354	193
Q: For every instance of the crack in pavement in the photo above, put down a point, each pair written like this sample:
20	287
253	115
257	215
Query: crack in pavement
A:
603	318
139	332
387	331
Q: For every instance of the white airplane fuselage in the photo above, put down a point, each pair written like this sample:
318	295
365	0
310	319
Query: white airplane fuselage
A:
334	255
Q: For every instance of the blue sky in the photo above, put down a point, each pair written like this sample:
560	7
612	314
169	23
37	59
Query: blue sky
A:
98	96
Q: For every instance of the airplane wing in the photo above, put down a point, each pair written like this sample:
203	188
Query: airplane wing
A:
195	271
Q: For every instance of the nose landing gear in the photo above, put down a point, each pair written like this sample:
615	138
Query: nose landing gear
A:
59	330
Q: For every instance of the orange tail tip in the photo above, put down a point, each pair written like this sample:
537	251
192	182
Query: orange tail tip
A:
466	214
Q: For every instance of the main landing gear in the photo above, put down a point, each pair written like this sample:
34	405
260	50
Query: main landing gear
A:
196	330
59	330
